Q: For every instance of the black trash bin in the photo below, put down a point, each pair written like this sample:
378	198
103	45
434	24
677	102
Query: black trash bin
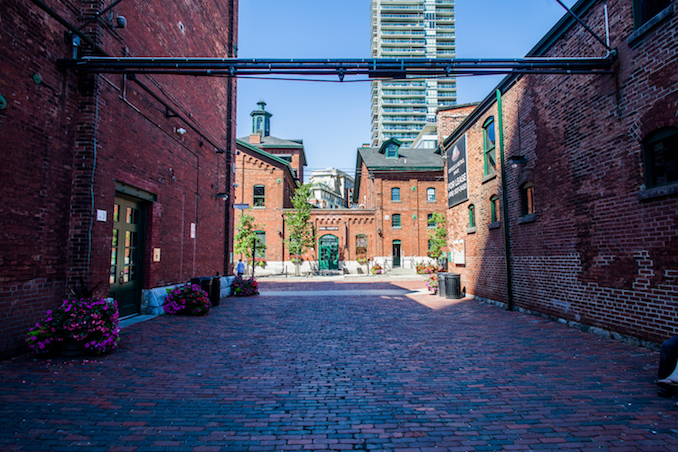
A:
215	294
453	286
205	283
442	283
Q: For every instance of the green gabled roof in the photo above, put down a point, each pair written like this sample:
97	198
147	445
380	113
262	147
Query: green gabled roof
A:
255	150
281	143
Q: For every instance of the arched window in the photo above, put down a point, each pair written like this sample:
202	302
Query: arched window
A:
395	220
494	208
527	199
430	194
661	157
471	216
489	151
395	194
259	196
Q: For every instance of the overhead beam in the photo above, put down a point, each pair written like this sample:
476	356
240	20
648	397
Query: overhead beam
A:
372	68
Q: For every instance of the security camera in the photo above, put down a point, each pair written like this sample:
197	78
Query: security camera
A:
181	131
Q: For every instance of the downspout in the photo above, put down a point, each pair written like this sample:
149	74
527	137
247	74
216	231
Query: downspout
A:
504	196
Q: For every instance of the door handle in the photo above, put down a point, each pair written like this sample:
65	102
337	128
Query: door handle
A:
120	280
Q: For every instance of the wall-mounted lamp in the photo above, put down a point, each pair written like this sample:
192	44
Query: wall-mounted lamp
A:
181	131
516	160
120	22
223	196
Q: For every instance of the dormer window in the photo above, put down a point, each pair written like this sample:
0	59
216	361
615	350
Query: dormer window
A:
390	148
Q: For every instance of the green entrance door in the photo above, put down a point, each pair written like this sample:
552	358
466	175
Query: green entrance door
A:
396	253
329	253
126	255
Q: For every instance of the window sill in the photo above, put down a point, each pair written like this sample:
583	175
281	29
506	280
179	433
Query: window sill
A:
471	230
658	192
258	207
488	178
396	200
396	227
431	202
527	218
663	14
495	225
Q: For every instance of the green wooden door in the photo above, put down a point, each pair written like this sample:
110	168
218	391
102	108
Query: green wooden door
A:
329	253
127	250
396	253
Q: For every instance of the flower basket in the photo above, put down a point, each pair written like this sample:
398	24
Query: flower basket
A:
362	259
260	262
432	283
377	269
424	269
91	324
189	299
241	287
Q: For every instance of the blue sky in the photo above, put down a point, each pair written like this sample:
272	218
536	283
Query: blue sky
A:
333	118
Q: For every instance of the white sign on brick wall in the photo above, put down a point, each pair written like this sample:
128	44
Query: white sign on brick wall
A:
459	252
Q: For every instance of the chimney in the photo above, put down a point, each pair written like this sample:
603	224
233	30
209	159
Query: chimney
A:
255	138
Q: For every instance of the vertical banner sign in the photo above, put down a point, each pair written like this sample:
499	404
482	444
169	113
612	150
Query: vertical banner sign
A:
457	177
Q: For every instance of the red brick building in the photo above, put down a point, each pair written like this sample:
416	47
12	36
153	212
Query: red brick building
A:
404	187
114	179
591	180
268	170
265	184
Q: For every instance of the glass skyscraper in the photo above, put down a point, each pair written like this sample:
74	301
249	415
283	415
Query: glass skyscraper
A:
409	29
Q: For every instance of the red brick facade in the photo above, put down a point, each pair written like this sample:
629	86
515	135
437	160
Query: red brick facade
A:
254	167
421	193
73	141
600	250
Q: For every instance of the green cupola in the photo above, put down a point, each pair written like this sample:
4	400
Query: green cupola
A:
261	120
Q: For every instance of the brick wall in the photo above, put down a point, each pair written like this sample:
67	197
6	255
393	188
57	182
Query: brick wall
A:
253	169
69	130
598	251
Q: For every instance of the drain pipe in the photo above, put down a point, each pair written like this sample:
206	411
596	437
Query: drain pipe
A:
504	196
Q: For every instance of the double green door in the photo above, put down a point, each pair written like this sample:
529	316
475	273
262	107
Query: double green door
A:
329	253
127	249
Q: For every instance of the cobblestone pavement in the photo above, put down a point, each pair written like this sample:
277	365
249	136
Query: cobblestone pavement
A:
366	371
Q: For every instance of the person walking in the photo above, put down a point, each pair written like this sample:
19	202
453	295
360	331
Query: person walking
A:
240	268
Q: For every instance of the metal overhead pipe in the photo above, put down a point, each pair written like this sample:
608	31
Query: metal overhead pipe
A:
372	68
98	49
